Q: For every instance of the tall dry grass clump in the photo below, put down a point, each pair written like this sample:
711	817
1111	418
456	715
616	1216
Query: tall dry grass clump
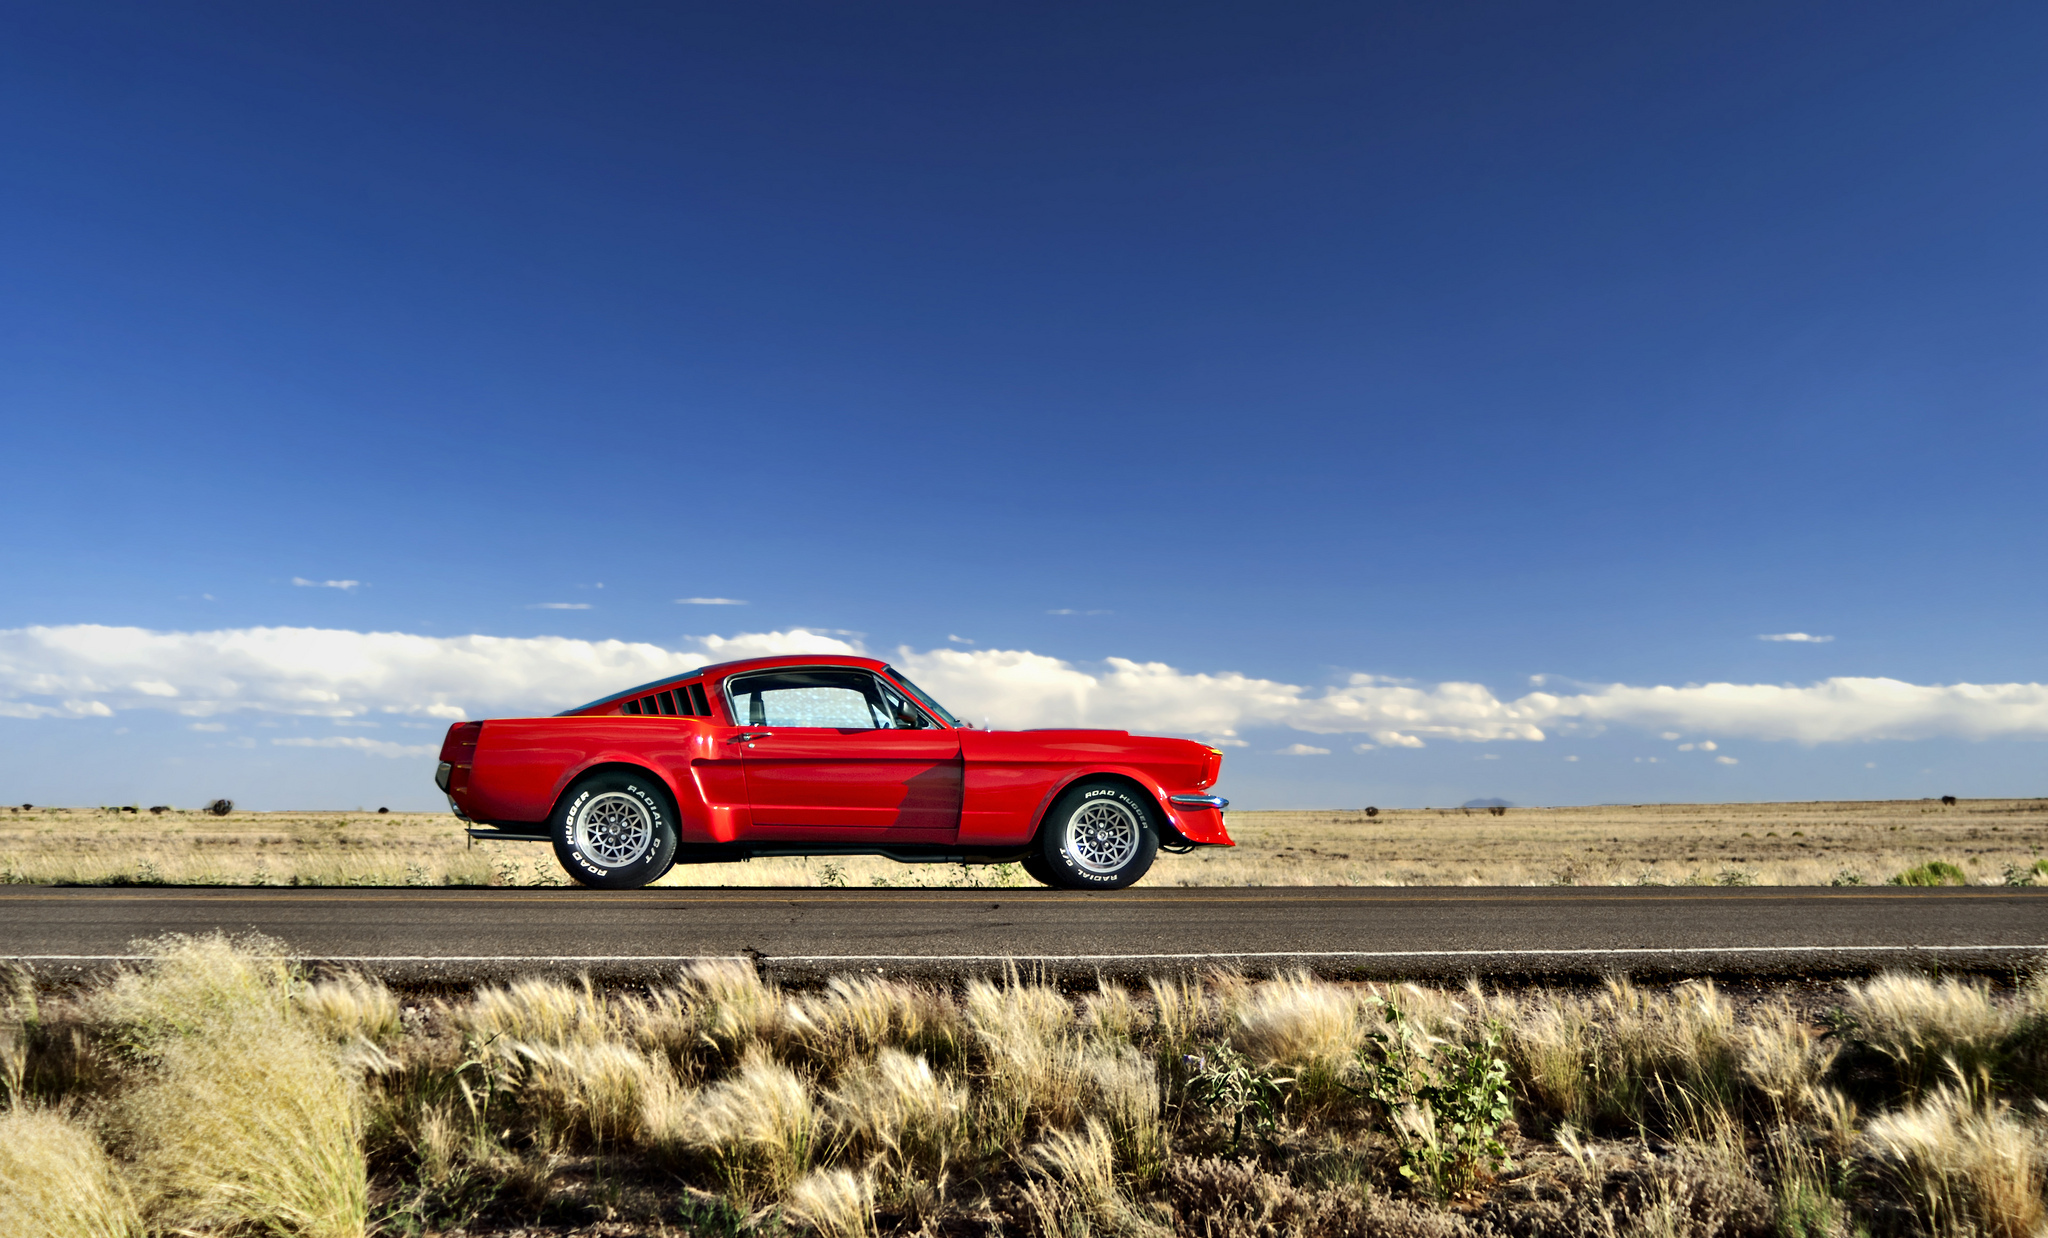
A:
1920	1026
604	1094
537	1010
1075	1188
858	1016
1031	1068
352	1007
731	1009
57	1182
241	1115
1964	1165
835	1203
896	1112
1299	1022
758	1128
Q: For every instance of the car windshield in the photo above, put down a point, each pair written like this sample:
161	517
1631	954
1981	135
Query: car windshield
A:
924	698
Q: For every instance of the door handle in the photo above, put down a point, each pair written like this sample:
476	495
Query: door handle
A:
745	736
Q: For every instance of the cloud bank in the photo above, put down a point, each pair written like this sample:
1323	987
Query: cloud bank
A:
88	670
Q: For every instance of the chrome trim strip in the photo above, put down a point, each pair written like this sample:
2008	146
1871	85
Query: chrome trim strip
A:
1199	801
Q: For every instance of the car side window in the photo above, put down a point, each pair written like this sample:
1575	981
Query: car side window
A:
845	699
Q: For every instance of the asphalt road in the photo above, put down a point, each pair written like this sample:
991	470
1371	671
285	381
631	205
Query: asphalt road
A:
424	935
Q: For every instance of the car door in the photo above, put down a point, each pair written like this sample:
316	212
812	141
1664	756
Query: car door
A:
833	752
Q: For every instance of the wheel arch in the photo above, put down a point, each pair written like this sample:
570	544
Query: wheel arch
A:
1169	833
616	765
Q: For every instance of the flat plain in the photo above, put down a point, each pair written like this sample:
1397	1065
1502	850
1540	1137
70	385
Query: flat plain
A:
1988	841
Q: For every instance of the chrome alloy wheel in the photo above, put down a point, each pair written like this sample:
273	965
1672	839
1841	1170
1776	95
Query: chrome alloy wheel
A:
614	829
1102	836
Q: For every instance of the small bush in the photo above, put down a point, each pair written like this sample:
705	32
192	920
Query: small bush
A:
1445	1103
1932	873
1236	1089
2027	874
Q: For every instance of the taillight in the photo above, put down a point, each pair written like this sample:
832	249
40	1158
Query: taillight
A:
460	746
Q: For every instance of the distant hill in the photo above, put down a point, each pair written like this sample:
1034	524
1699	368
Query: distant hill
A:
1486	804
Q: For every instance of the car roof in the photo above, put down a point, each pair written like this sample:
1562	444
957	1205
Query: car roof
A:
721	670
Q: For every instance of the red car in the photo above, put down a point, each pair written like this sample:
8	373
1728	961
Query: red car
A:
824	755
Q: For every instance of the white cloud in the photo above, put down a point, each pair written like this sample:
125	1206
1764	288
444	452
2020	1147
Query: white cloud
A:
374	747
1364	747
209	726
1068	610
1708	745
559	606
1799	637
706	601
1302	750
88	670
1571	758
1684	747
343	585
1726	761
960	640
1669	735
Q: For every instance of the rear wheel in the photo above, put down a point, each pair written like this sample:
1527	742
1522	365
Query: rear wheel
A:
615	830
1098	836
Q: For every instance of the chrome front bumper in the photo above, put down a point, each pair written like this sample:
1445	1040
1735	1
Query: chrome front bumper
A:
1198	801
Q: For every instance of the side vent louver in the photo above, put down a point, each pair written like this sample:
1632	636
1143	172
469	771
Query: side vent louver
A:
687	701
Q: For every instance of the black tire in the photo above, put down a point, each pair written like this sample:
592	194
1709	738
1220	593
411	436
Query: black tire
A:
615	830
1035	868
1099	836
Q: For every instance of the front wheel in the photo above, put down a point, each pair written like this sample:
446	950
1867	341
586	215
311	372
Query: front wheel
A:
615	830
1098	836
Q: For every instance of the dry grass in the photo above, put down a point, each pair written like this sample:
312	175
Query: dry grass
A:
233	1096
56	1181
241	1114
1964	1165
1989	841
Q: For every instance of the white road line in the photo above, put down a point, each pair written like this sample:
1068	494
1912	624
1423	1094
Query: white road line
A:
1059	958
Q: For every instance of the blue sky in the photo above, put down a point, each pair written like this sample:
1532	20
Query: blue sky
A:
1441	343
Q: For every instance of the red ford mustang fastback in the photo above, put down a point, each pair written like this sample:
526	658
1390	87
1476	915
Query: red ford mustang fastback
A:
824	755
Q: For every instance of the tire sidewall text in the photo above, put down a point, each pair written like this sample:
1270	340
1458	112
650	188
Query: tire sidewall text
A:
652	862
1066	870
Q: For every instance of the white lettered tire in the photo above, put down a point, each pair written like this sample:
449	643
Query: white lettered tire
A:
1099	836
615	830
